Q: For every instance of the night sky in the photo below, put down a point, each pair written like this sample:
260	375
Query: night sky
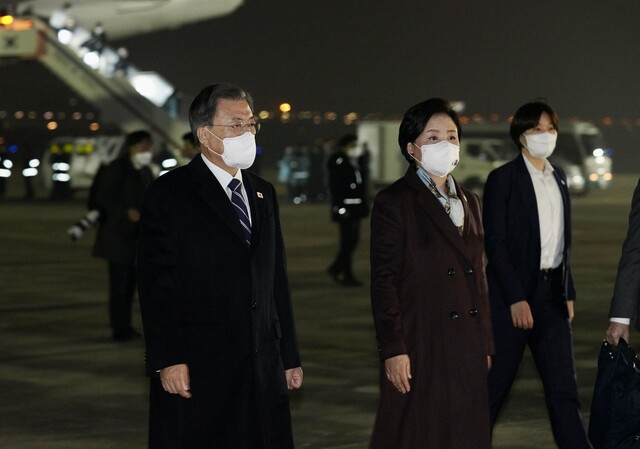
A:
352	55
345	56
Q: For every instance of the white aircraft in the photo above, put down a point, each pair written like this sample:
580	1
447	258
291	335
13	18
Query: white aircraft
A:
122	18
63	37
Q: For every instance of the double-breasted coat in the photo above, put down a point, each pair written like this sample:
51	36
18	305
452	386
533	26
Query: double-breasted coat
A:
223	308
429	300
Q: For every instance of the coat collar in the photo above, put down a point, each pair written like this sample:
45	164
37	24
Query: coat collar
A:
525	184
215	196
436	212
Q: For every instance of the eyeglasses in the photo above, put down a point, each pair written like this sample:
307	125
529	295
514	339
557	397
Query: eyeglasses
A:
240	128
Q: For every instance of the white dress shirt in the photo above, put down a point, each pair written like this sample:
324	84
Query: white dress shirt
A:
550	214
224	178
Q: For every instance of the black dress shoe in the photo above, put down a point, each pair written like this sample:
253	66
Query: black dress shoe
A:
334	273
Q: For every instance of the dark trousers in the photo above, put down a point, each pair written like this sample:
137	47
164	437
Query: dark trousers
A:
551	345
349	236
122	287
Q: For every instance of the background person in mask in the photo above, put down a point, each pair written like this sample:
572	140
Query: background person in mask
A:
116	195
348	174
221	346
429	295
527	222
189	148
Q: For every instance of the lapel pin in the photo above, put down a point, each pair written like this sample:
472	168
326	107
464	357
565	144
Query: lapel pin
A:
259	194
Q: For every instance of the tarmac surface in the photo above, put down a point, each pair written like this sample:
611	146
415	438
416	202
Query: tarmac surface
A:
64	384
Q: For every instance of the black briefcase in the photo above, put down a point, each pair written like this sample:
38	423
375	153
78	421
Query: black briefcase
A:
614	422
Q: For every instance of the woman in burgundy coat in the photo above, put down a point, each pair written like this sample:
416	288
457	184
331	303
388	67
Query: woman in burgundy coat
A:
429	295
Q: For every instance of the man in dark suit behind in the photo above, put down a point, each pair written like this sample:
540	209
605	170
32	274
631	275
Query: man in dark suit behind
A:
116	193
221	345
348	175
626	294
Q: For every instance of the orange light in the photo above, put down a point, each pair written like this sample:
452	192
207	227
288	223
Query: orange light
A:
52	125
6	20
285	107
95	126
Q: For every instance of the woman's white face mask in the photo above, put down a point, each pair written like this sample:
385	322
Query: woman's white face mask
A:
541	145
439	158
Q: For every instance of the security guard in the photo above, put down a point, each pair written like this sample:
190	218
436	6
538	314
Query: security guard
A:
348	175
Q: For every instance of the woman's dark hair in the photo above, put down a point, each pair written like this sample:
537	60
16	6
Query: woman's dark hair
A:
416	118
527	117
205	105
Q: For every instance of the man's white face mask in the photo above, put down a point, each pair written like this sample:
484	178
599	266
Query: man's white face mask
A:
239	152
143	158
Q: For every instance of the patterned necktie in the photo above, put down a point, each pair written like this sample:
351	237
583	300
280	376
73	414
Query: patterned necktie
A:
241	208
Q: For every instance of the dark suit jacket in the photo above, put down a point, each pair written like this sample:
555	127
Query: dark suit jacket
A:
210	301
512	233
117	188
429	300
627	290
348	187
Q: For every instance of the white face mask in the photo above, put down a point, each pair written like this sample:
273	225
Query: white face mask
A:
144	158
355	152
439	158
541	145
239	152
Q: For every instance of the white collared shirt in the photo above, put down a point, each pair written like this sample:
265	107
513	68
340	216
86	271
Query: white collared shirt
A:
550	214
224	178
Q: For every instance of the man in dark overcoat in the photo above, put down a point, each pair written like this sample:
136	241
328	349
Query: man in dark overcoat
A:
626	295
117	194
348	174
221	345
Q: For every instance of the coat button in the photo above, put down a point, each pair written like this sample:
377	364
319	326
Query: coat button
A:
454	315
451	272
254	305
473	312
255	353
469	271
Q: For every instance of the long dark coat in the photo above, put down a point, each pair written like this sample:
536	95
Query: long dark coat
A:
221	307
429	299
117	188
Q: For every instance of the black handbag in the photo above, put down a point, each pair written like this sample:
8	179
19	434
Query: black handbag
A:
614	422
